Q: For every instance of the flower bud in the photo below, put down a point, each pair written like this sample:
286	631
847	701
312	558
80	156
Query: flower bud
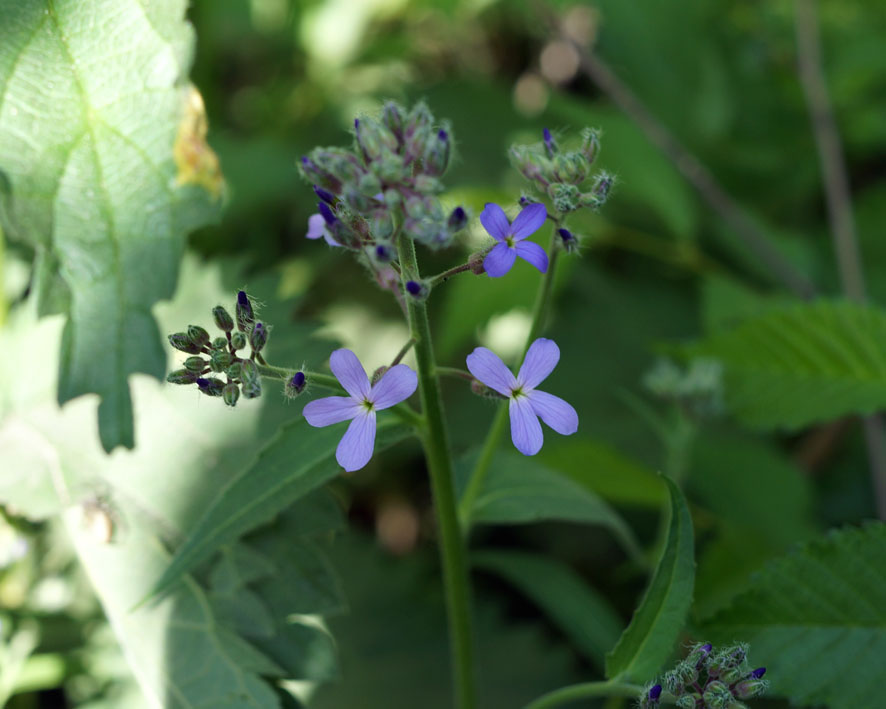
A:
245	316
325	196
748	688
220	360
381	226
550	143
566	197
234	370
378	374
458	219
223	320
437	156
252	388
314	173
590	144
417	289
568	240
758	673
195	364
210	386
231	393
392	119
382	253
258	337
238	340
717	695
698	654
295	385
602	186
476	262
372	138
181	376
220	343
427	184
182	342
248	371
688	701
526	200
417	129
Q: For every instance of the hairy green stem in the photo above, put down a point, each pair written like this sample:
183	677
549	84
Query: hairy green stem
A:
327	381
436	444
455	372
539	313
587	690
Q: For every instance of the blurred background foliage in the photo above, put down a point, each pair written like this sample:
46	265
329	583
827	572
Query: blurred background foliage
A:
279	77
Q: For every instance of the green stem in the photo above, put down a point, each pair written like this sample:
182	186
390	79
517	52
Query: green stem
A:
446	275
327	381
436	444
455	372
587	690
539	313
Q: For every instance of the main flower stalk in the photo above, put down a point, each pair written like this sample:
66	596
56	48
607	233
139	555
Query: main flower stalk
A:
437	453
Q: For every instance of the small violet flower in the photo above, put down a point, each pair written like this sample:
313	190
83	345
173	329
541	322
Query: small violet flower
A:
527	404
510	238
356	446
318	224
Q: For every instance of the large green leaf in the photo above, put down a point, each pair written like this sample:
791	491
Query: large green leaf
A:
517	490
797	365
105	169
817	619
298	460
648	640
582	613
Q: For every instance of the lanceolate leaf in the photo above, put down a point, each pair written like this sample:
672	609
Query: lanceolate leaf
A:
817	619
297	461
800	364
105	169
650	637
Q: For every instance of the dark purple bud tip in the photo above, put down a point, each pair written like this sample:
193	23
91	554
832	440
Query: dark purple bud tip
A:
547	135
458	219
707	647
758	673
356	124
443	135
655	690
328	216
568	237
525	201
413	288
327	197
242	298
384	253
202	383
298	380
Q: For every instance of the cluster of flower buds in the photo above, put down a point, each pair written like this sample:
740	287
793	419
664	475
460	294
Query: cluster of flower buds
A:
561	175
709	679
396	163
221	355
698	388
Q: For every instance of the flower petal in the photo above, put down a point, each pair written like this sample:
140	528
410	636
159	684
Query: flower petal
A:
533	253
330	410
329	238
495	221
541	358
397	384
555	412
525	428
487	366
348	370
356	446
499	261
529	221
316	226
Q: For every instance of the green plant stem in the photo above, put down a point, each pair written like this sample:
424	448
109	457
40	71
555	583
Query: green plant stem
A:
327	381
587	690
539	314
446	275
455	372
402	353
436	444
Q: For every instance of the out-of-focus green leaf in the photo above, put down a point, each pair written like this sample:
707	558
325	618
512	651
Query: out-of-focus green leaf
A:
517	490
648	640
801	364
817	619
725	303
585	616
106	169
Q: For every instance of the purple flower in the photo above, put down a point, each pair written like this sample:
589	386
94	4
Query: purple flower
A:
356	446
317	228
510	238
526	403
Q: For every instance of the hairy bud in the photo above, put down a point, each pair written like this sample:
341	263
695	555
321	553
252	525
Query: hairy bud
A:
324	195
566	197
234	370
314	173
748	688
210	386
245	316
252	388
590	144
258	338
223	319
181	376
248	371
392	119
295	385
568	240
182	342
550	143
417	289
437	155
230	394
220	360
238	340
458	219
195	364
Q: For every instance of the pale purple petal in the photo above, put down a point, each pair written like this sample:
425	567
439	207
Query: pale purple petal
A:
356	446
499	261
348	370
316	226
330	410
533	253
541	358
555	412
488	368
397	384
495	221
525	428
529	221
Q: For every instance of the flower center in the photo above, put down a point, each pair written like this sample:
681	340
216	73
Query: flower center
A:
368	405
509	240
517	392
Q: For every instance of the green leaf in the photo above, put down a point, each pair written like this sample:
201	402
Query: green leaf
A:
298	460
648	640
585	616
517	490
817	619
106	170
798	365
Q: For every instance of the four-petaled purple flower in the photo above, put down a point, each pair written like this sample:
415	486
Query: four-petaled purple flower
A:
526	403
318	224
510	238
356	446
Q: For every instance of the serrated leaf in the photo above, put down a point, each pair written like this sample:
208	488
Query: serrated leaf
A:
244	611
297	461
648	640
93	100
517	490
797	365
817	619
583	614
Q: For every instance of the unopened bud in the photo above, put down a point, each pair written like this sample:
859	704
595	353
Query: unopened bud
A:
314	173
688	701
258	337
717	695
565	197
526	200
223	319
550	143
378	374
238	340
590	144
181	376
602	186
327	213
758	673
220	343
383	253
476	263
654	690
210	386
182	342
324	195
248	371
195	364
234	370
252	388
437	155
417	289
750	688
245	316
230	394
392	118
295	385
458	219
220	360
568	240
